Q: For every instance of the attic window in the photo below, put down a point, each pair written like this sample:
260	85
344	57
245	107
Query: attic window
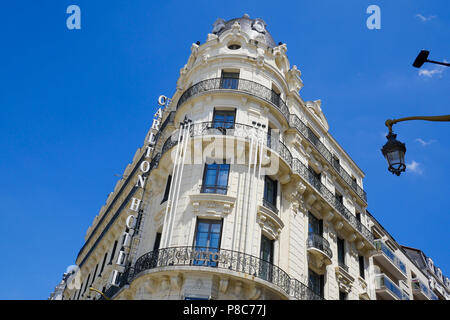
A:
234	46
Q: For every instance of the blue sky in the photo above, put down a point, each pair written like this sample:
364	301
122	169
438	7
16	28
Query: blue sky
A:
76	104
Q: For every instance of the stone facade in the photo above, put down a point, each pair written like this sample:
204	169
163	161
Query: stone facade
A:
239	70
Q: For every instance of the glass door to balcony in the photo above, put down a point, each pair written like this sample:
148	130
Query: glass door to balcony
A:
266	256
229	80
207	242
224	119
315	282
315	226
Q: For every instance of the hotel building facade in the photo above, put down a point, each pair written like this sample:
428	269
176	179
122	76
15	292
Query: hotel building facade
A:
240	192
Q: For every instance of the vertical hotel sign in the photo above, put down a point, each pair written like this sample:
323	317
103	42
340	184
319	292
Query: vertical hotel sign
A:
130	222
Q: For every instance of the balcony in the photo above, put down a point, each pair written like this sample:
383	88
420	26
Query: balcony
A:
299	168
306	132
240	85
420	290
386	289
248	132
215	259
319	249
388	260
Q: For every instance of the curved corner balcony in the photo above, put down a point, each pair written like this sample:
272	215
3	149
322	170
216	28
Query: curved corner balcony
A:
239	85
319	247
216	260
237	130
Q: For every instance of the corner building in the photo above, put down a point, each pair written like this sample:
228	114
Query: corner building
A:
271	207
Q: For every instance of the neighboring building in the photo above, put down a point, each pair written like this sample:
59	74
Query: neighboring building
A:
239	191
435	285
400	273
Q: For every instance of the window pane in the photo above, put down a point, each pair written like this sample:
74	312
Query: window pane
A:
223	175
215	227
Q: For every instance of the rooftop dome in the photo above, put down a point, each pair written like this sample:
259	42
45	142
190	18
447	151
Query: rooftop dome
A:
253	27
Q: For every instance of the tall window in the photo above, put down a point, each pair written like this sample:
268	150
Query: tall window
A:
335	161
215	178
358	216
113	252
341	252
354	183
224	119
315	282
270	193
95	272
166	192
342	295
315	226
266	255
103	264
269	137
361	266
339	198
207	241
275	97
229	80
157	241
316	176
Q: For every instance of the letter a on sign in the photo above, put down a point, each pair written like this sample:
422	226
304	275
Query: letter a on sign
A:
374	21
73	21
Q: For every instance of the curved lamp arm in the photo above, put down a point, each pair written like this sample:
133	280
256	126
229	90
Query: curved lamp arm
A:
390	122
98	291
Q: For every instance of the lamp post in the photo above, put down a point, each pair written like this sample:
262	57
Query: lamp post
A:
422	57
98	291
394	150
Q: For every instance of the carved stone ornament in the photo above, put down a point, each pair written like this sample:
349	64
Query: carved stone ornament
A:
218	25
259	25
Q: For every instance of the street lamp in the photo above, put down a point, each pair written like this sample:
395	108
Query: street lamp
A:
98	291
422	57
394	150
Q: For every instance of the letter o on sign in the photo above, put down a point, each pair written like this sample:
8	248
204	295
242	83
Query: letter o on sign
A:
145	166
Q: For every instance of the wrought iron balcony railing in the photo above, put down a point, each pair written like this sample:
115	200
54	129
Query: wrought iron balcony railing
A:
380	246
268	95
311	178
319	242
218	259
383	282
306	132
247	86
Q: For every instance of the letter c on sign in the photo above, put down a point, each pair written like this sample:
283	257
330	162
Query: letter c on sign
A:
131	222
